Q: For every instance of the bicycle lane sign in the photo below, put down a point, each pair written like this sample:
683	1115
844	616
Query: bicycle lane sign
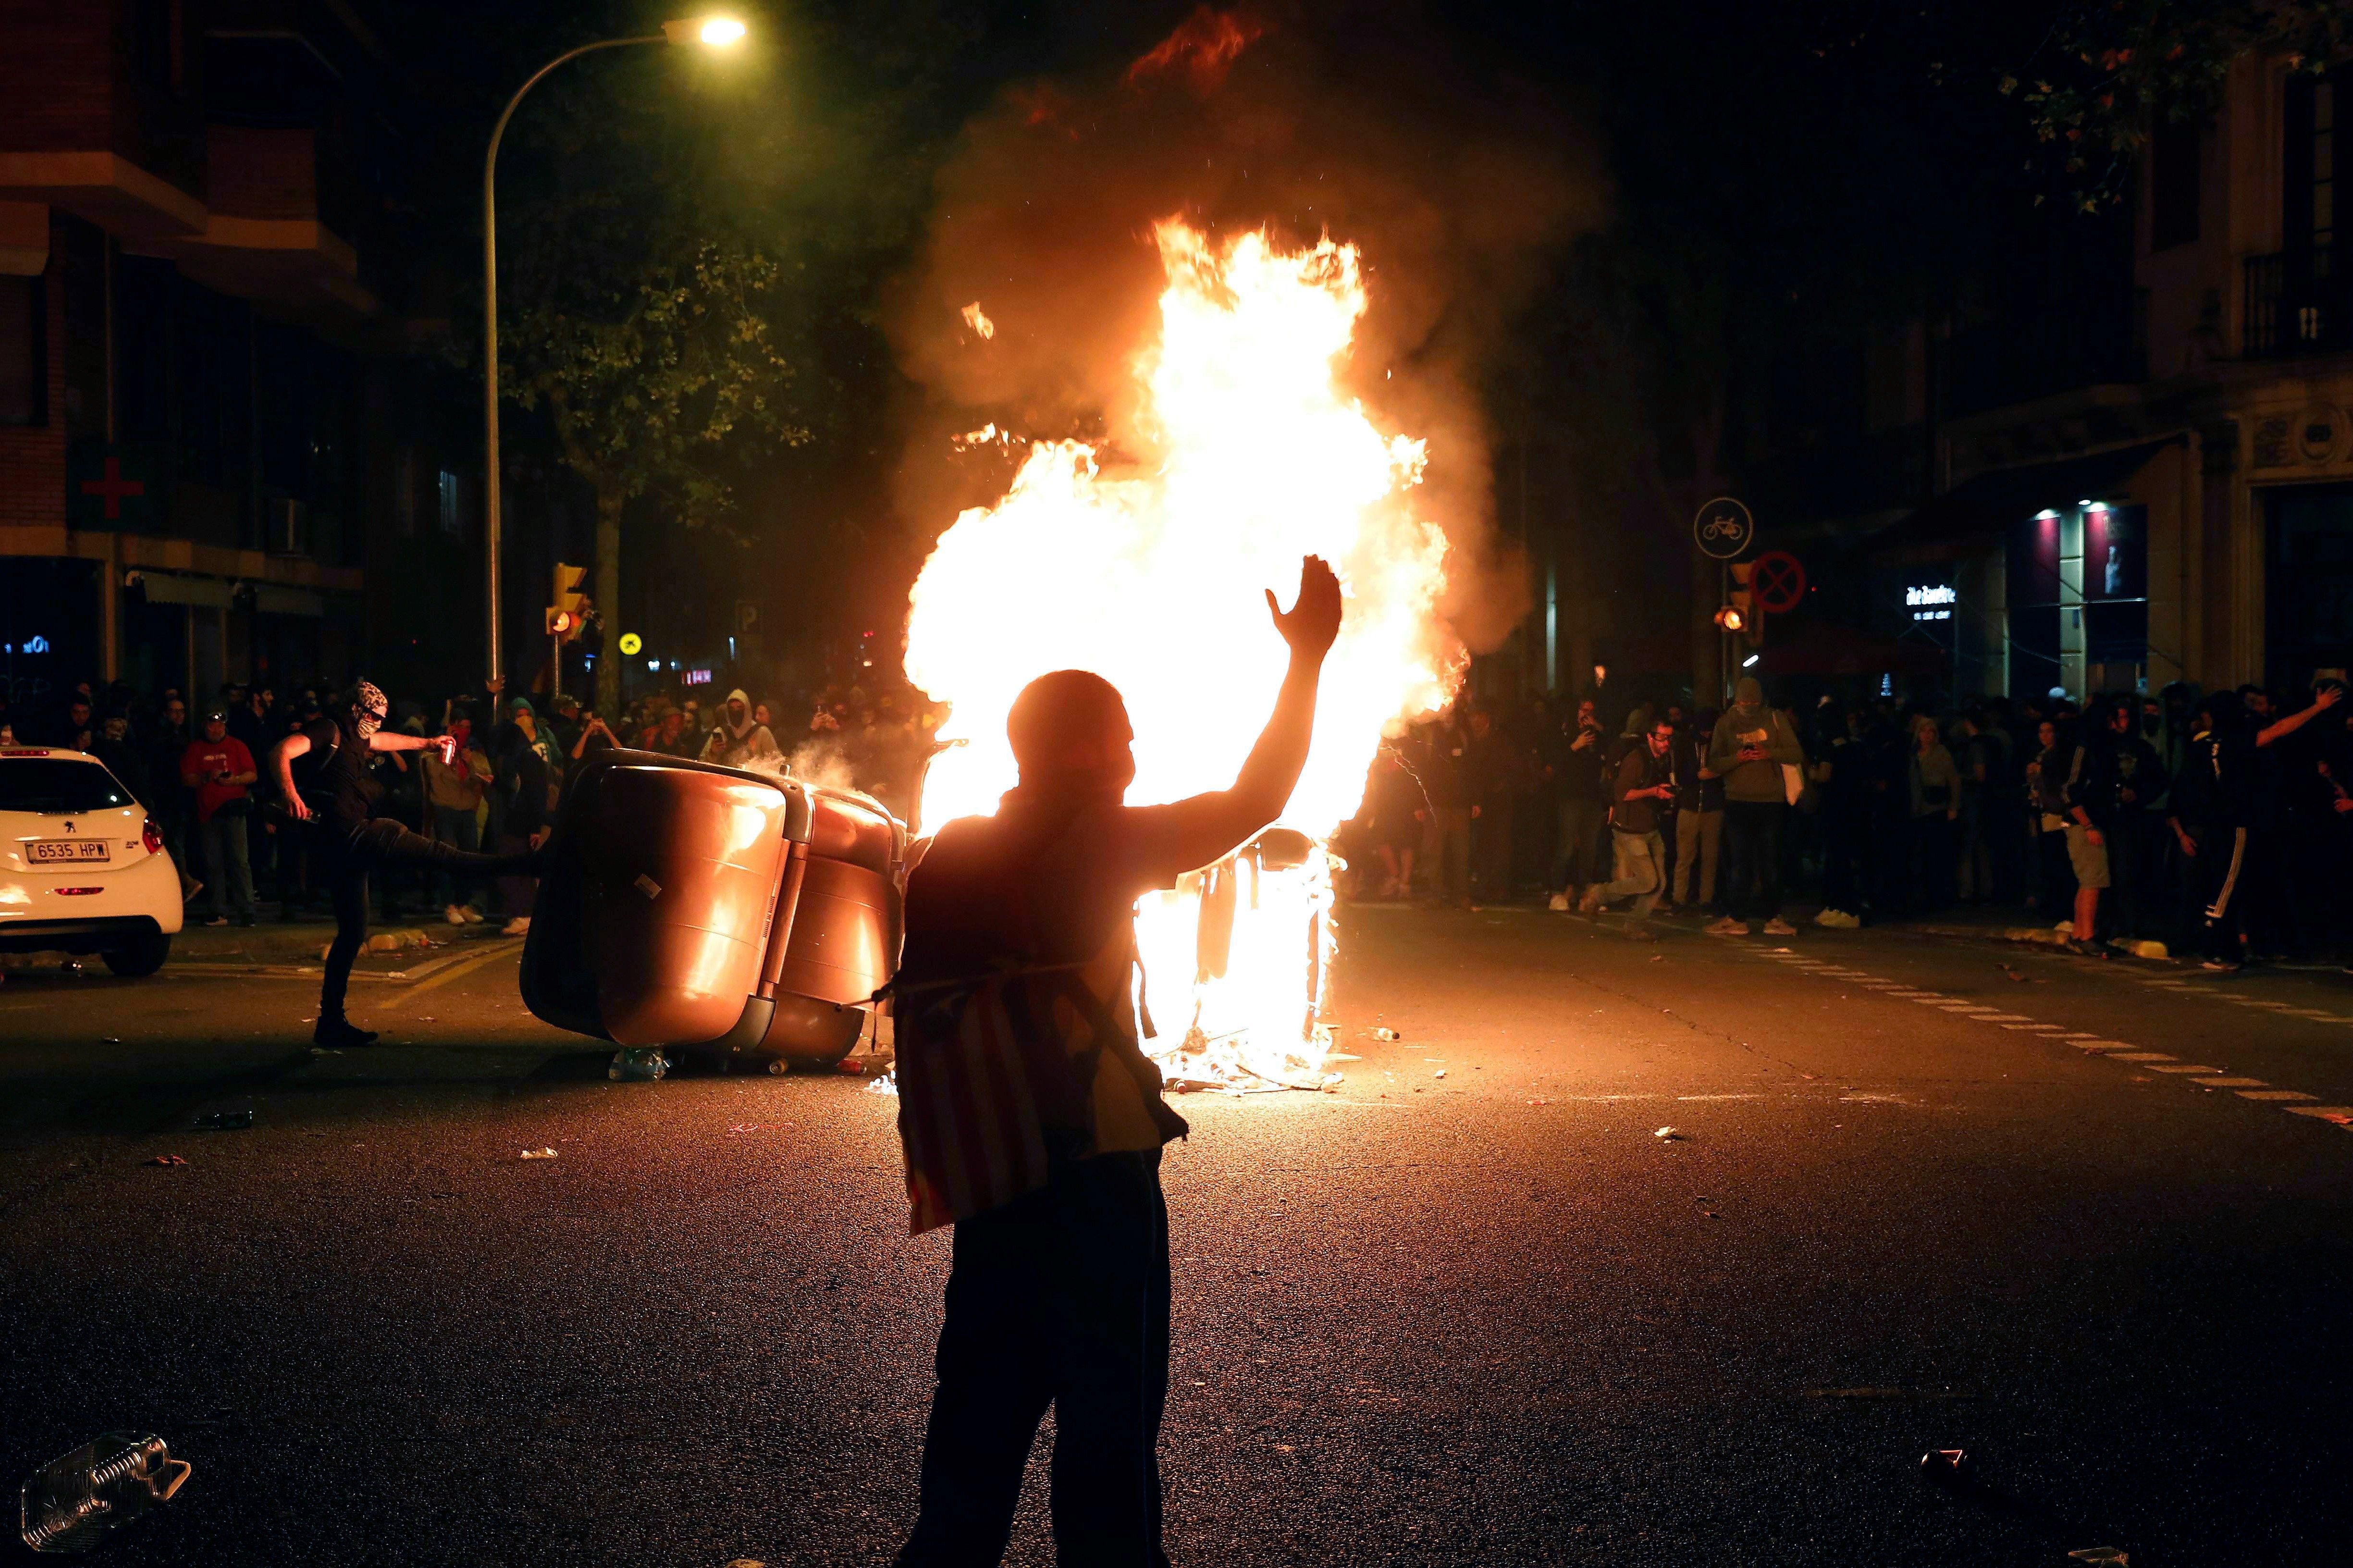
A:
1724	528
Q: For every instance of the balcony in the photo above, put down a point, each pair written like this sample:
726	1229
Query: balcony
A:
2295	303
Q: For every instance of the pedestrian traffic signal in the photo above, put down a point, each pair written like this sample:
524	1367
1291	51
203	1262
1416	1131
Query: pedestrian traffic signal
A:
563	623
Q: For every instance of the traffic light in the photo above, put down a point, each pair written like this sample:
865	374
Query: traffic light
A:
568	611
1739	613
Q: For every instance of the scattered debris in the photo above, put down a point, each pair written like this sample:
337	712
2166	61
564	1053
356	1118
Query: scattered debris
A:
78	1497
225	1120
646	885
1668	1134
1947	1465
539	1154
1386	1035
1441	1072
109	1040
2107	1556
1539	1102
888	1084
1837	920
777	1067
326	1051
166	1160
646	1065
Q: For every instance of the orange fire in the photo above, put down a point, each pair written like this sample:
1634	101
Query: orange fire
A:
1151	576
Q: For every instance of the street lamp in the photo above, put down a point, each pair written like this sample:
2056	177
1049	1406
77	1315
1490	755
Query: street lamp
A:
716	32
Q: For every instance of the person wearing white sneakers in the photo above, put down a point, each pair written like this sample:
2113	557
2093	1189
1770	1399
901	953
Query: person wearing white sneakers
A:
1751	747
453	794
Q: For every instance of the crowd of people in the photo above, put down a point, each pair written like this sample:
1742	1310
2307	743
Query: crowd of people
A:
204	774
2218	822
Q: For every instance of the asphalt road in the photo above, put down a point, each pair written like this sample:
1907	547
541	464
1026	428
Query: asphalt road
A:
1924	1196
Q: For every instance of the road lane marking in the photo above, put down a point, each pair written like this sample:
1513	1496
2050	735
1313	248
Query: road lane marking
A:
2142	1056
462	969
2181	1067
2326	1113
2230	1083
2275	1094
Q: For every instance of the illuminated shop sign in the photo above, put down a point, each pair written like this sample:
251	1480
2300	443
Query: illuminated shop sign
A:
1931	603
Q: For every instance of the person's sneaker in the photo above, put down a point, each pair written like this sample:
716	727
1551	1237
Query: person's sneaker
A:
334	1033
195	887
1777	927
2222	966
450	913
215	919
1591	902
473	916
1728	927
517	926
248	920
1558	904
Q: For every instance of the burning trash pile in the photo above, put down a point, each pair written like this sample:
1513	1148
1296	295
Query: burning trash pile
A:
1144	558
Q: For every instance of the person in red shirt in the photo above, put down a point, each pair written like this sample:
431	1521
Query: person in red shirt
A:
220	770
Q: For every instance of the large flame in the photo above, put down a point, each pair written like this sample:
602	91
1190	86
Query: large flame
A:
1154	578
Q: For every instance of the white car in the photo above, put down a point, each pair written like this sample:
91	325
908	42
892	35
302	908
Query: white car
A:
82	867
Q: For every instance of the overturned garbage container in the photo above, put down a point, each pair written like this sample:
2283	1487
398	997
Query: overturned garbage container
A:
715	911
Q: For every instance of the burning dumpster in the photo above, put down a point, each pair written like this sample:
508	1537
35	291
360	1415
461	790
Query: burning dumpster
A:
715	911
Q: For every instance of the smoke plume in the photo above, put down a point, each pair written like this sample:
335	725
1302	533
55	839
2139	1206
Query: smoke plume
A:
1038	281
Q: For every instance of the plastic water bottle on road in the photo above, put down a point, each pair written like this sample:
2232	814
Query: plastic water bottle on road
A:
77	1498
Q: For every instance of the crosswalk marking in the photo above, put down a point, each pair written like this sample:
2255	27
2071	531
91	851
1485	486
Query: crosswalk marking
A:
2275	1094
2230	1083
2181	1067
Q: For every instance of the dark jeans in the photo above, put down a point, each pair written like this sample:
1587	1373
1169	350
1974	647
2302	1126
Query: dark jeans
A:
1933	861
342	864
1752	858
1577	857
1491	849
453	825
1446	851
2215	879
227	876
1060	1297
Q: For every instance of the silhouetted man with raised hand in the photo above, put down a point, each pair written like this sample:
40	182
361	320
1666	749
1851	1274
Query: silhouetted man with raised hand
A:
1033	1121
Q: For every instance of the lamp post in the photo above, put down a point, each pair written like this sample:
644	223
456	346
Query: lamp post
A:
712	32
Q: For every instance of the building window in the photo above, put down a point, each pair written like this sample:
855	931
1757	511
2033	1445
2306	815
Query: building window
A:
2173	183
456	504
23	352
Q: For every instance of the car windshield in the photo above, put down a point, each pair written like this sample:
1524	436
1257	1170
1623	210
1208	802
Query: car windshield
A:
58	784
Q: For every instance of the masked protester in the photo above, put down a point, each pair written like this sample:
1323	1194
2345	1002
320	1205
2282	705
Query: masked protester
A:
321	770
739	739
1033	1122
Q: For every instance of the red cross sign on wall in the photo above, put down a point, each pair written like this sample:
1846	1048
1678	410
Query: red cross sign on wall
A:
113	488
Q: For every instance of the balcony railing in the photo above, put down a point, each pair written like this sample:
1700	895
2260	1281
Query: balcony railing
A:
2295	305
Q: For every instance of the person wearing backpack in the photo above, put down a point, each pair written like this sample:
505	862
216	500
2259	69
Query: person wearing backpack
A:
1033	1121
322	771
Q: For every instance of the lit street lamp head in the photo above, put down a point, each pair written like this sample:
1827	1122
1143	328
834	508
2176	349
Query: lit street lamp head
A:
714	32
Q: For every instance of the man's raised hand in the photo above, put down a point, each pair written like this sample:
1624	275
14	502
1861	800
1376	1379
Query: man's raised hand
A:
1314	619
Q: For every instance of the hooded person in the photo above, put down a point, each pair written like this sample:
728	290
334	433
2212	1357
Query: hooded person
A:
1751	746
739	739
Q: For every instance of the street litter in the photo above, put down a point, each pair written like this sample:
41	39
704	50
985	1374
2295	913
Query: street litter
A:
2106	1556
1837	920
1386	1035
76	1499
539	1154
1667	1134
1440	1074
1539	1102
640	1065
166	1160
111	1040
225	1120
888	1084
1947	1465
1658	957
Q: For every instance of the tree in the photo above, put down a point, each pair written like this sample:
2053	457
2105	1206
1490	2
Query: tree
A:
654	392
2110	69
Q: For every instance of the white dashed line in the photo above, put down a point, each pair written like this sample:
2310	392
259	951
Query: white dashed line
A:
2202	1075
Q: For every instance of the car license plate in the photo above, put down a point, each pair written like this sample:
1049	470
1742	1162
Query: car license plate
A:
69	850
